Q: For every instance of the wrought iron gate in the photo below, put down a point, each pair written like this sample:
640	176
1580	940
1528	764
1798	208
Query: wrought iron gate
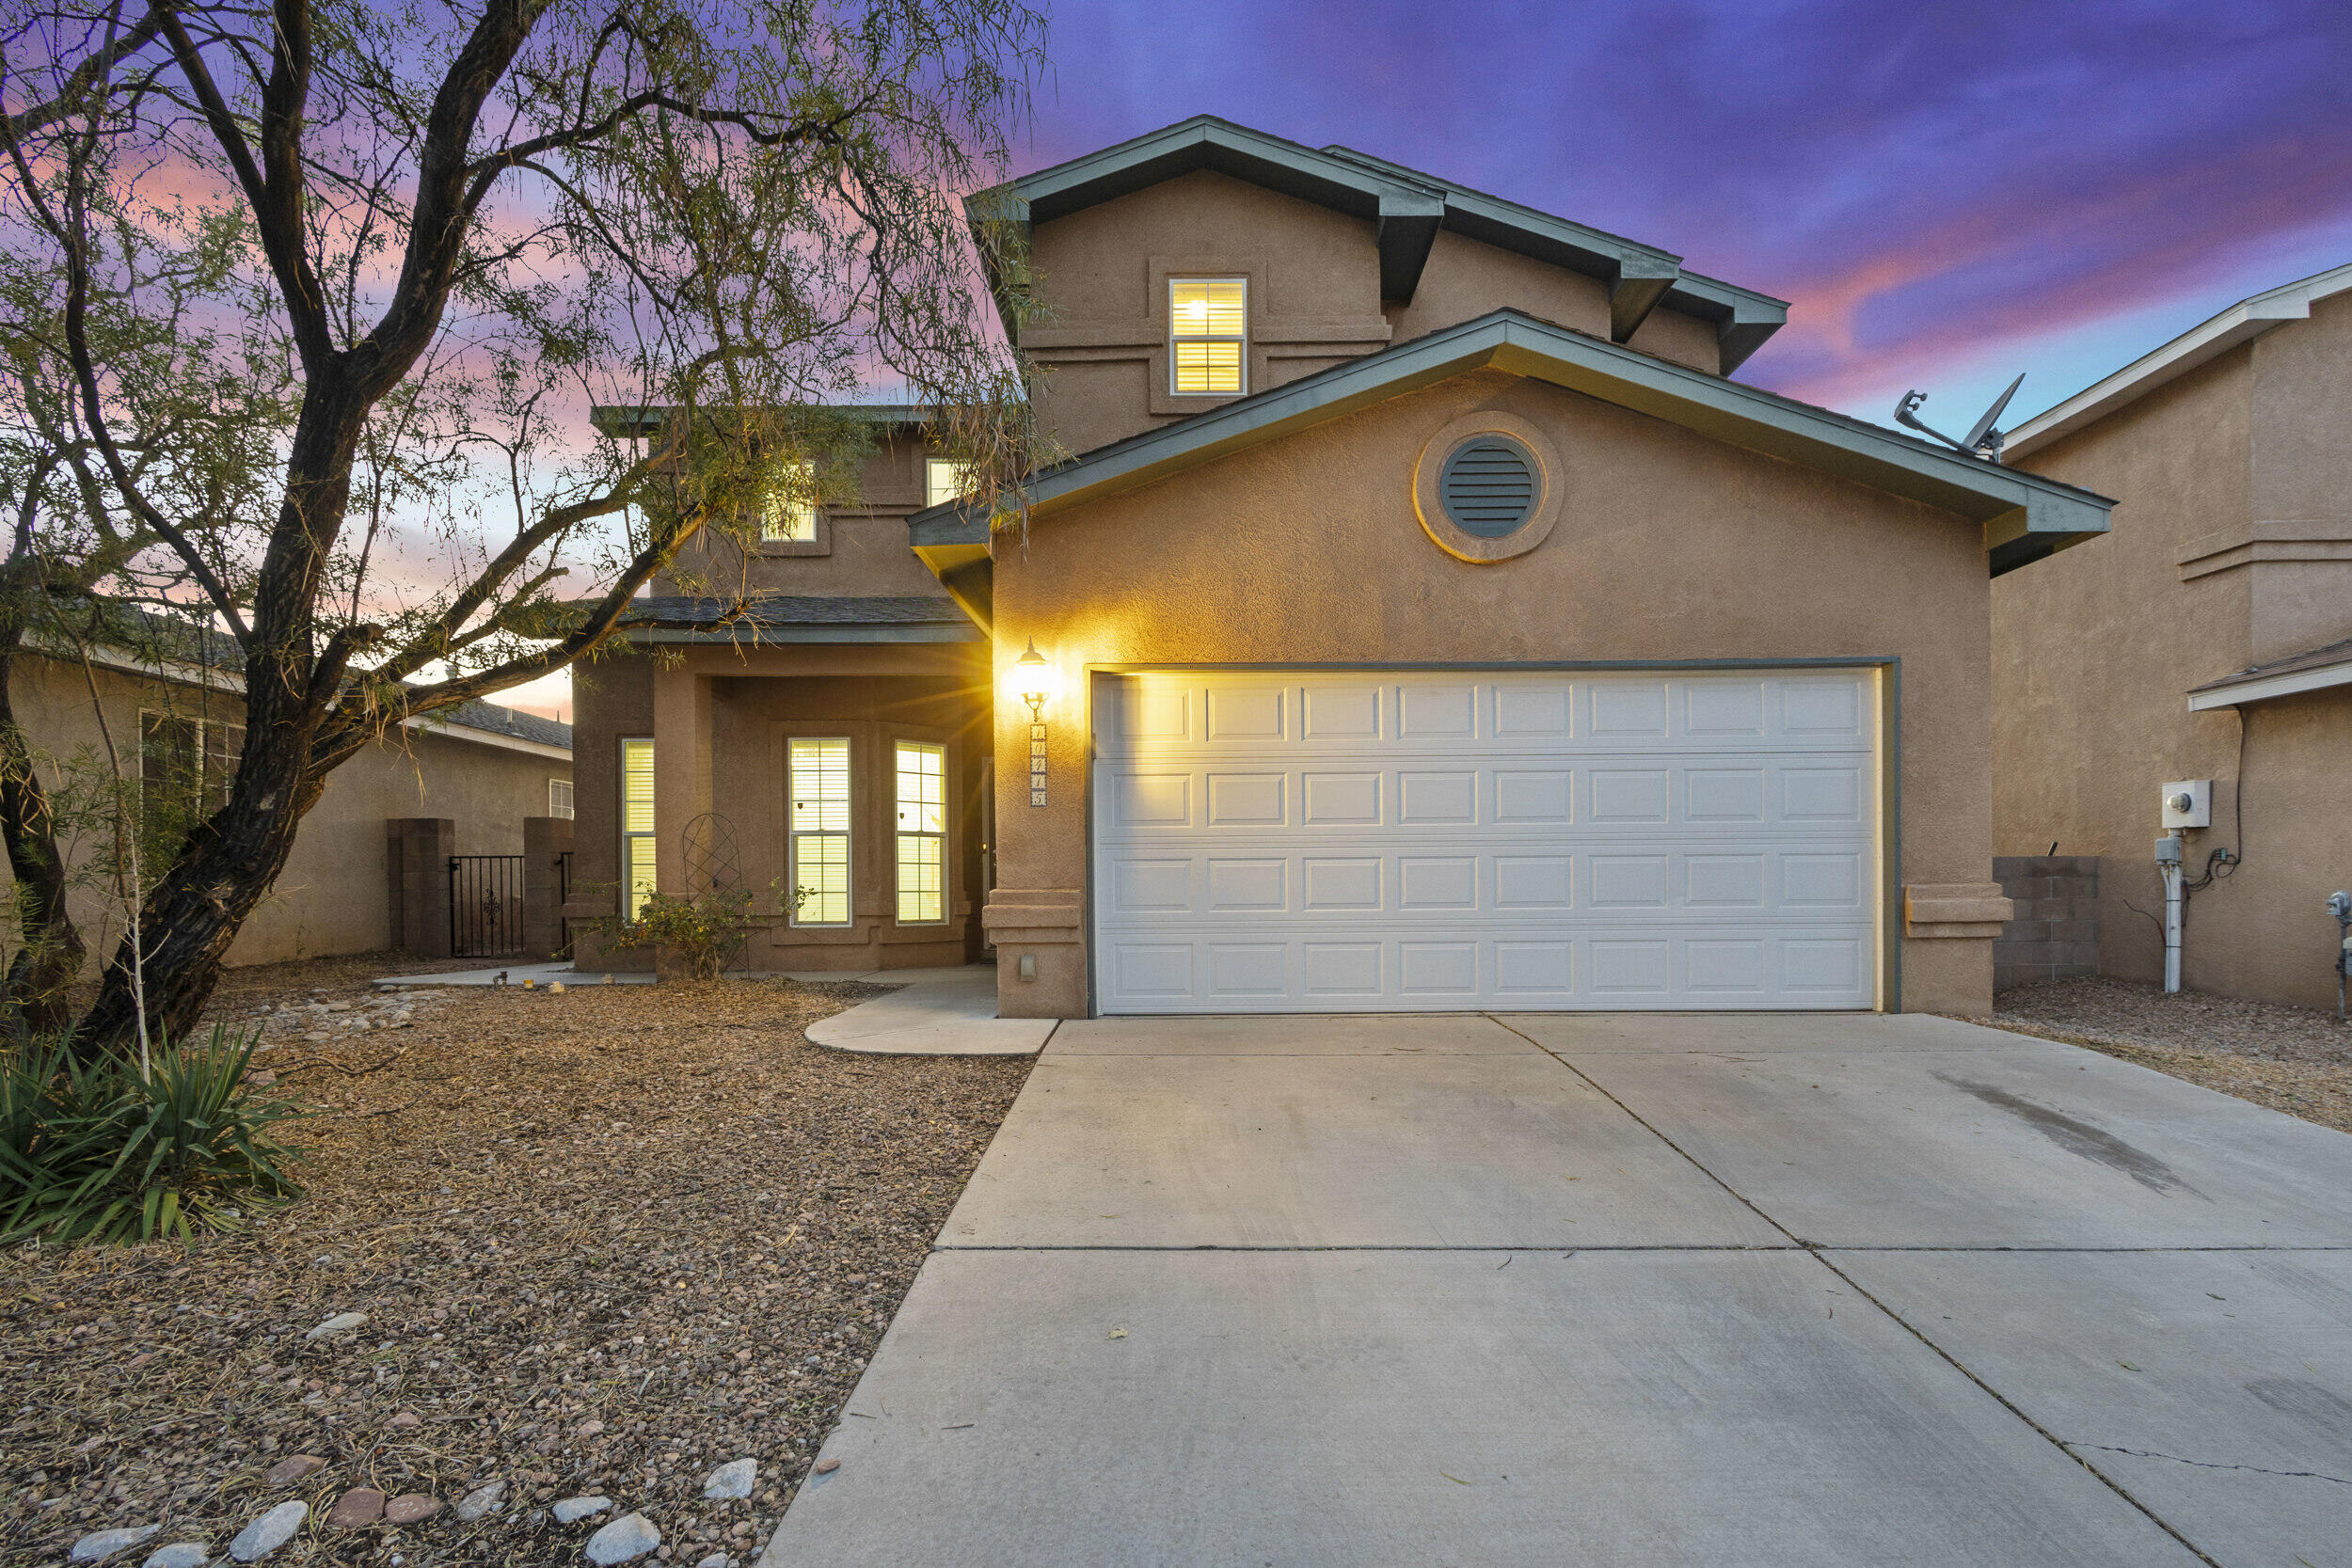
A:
562	897
485	906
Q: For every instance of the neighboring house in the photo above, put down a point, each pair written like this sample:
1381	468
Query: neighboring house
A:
1434	625
482	767
2208	637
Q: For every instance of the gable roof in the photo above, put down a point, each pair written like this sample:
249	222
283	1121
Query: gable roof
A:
1406	206
2209	340
2024	516
762	618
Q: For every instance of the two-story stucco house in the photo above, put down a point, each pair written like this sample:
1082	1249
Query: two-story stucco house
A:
1427	620
2209	637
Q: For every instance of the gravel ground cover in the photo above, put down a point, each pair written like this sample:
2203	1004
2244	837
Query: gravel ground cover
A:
2292	1059
605	1242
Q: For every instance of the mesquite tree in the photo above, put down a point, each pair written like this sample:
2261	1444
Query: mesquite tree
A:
462	222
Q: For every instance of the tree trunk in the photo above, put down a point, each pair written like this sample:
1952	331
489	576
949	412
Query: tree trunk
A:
49	958
173	956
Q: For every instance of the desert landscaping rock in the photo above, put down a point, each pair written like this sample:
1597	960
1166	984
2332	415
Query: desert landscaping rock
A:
356	1509
626	1538
715	1560
269	1532
482	1501
179	1554
530	1259
287	1471
572	1509
734	1478
102	1545
411	1508
407	1420
2291	1059
336	1323
827	1467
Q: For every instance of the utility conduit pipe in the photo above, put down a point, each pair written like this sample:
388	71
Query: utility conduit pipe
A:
2175	901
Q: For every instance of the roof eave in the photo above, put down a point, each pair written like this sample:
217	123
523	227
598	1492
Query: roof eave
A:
2258	688
2202	345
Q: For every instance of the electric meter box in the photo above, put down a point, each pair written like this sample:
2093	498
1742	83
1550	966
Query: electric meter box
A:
2188	804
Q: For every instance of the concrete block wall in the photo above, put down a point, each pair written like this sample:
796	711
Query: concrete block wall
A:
416	851
2053	933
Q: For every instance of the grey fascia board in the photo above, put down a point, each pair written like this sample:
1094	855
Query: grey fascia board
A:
2262	688
2200	344
1745	319
2011	504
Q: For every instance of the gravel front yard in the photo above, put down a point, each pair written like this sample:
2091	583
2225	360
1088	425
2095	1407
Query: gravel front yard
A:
605	1242
2291	1059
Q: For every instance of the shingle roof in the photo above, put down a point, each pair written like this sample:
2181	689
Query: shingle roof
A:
802	618
2310	659
508	722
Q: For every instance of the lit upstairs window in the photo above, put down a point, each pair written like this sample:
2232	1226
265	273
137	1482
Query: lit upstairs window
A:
789	516
1208	334
943	480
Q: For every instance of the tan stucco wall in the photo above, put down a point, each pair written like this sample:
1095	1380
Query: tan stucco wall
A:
2097	647
860	548
1315	298
1671	546
333	895
719	721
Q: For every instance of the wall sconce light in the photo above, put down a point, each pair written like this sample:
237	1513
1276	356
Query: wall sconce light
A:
1033	679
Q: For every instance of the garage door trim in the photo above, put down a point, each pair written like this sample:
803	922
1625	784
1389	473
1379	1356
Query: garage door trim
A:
1887	744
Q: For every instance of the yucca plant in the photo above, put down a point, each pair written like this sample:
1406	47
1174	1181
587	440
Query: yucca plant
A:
98	1152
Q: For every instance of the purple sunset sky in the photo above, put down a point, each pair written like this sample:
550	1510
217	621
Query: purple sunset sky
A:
1947	194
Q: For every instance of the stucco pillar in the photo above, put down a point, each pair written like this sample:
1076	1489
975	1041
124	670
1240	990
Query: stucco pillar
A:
416	853
681	767
546	840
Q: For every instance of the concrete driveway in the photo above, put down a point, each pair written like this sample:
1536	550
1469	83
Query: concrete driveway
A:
1802	1289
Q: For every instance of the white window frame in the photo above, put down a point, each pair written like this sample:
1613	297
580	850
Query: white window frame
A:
905	834
1176	338
632	896
560	798
783	520
210	755
846	833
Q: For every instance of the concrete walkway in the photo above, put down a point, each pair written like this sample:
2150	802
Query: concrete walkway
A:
936	1012
1661	1289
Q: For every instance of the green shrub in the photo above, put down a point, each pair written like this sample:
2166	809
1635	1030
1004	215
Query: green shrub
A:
95	1153
704	931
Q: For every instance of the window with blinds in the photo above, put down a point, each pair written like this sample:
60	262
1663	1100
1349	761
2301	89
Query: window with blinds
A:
922	832
820	786
790	515
560	797
637	851
1208	334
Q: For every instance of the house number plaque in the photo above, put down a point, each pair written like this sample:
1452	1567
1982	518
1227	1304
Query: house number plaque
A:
1037	765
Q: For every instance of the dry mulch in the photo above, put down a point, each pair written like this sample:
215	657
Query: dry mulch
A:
606	1241
2292	1059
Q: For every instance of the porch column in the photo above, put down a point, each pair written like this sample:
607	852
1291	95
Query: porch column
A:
681	767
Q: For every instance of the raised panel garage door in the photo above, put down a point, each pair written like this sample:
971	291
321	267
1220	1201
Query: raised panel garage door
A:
1334	842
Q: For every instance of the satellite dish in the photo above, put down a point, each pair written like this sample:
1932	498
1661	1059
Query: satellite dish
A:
1982	441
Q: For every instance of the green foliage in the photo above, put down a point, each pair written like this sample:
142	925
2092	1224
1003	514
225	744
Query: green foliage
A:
96	1151
704	931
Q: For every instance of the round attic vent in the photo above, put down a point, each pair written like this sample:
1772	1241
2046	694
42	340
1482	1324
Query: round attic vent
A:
1490	485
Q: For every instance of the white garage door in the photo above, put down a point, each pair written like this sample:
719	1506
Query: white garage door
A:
1331	842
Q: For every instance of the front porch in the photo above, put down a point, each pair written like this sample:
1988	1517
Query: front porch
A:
842	786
